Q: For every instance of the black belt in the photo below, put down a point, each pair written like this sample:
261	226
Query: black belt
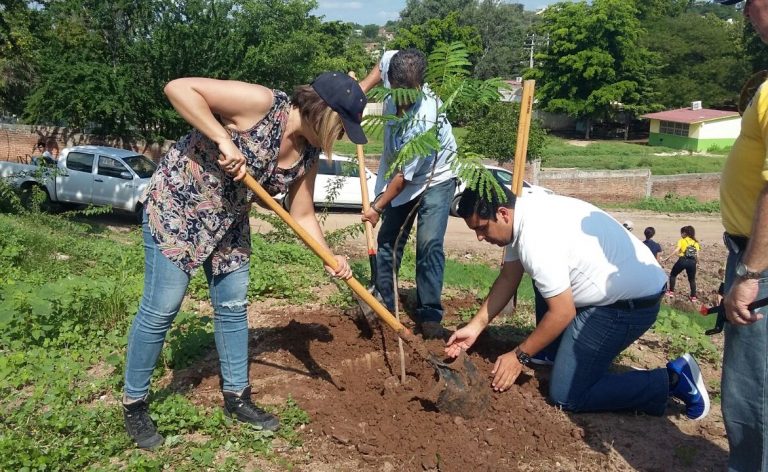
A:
636	303
737	244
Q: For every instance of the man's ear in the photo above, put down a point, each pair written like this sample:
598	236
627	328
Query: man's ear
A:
504	214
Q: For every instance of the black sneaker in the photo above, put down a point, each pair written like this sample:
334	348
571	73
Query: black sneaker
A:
139	425
241	408
432	330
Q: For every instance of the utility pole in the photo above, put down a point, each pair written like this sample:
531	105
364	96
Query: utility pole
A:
531	41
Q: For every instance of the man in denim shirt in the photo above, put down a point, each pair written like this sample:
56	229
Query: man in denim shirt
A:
422	181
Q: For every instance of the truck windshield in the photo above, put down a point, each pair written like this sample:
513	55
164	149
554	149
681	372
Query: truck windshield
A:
142	165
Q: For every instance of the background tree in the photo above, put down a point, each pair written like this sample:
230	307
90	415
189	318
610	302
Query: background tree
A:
703	59
435	31
418	12
595	66
495	134
19	59
371	31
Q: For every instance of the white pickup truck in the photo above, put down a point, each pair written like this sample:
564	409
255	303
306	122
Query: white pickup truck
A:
87	175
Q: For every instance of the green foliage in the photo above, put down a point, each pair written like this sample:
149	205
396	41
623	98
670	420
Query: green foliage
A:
595	66
672	203
495	134
430	35
617	155
702	59
685	332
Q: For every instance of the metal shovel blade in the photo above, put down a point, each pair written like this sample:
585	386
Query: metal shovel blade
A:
464	392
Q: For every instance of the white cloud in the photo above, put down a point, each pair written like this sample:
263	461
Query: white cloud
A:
341	5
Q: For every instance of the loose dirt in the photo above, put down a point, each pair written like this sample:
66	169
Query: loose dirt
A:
345	375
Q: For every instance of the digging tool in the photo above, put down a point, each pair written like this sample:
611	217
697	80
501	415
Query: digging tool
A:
367	310
465	393
720	310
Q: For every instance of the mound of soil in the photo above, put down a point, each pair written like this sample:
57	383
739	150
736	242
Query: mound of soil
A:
346	377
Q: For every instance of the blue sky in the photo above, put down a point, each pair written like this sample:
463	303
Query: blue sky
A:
380	11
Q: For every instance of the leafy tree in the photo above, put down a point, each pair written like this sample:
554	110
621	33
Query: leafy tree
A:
18	54
371	31
702	59
495	134
595	66
427	36
418	12
503	28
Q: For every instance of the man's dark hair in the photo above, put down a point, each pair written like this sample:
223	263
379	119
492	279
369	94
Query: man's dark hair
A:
649	232
472	203
407	68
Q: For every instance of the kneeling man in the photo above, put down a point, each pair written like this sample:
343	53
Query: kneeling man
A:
602	289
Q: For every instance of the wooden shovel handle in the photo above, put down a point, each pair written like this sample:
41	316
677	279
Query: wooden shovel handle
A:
365	199
523	131
324	254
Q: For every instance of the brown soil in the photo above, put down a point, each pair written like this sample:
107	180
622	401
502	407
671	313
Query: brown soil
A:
363	418
346	377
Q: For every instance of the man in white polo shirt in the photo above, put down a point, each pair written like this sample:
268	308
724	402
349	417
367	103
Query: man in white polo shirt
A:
602	289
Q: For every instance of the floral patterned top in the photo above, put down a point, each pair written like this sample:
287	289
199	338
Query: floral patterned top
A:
196	211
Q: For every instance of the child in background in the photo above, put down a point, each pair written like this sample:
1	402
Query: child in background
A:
687	249
652	245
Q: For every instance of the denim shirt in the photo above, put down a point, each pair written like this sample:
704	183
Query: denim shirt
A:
195	210
423	115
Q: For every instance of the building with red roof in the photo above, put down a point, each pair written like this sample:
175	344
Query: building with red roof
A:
694	128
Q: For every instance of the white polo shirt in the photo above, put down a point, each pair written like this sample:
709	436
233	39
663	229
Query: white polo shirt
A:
564	242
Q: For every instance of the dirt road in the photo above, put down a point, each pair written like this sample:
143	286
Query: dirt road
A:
459	240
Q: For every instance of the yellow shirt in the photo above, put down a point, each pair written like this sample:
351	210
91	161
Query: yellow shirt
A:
683	244
746	169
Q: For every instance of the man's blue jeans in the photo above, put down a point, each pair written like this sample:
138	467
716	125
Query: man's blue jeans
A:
164	288
433	215
745	384
580	380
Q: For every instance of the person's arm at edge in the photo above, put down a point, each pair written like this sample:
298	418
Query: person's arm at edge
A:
744	291
303	211
394	188
372	79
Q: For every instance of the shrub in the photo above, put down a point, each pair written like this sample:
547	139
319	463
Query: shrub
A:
495	134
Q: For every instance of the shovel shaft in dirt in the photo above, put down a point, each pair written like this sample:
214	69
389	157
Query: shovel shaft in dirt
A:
366	205
325	255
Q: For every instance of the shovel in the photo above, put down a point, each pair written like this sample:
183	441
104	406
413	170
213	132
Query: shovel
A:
367	310
464	392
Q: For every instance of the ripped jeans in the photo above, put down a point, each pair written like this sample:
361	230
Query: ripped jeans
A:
164	288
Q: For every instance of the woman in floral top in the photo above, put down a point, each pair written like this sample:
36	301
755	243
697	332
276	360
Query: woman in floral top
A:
196	215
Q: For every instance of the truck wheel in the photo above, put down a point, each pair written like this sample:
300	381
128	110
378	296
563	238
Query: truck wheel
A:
27	193
455	205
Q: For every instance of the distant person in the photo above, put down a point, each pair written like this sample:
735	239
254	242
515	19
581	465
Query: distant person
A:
413	184
652	245
196	217
602	289
687	250
628	225
744	210
44	153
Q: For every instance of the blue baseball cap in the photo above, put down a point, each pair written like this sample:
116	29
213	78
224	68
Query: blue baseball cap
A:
343	94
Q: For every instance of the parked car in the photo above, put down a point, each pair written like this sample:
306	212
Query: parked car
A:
337	184
504	177
87	175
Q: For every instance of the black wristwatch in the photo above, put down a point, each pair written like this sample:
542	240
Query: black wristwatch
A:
522	357
743	272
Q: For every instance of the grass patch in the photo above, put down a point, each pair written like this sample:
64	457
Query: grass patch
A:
613	155
685	332
671	204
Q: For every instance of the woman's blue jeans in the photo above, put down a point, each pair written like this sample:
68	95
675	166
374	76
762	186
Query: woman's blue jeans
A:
745	384
164	288
580	380
433	213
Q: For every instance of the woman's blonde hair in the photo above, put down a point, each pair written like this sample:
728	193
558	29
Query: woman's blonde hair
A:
325	122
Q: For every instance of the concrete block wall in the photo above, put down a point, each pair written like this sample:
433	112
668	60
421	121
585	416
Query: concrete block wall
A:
703	187
597	186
